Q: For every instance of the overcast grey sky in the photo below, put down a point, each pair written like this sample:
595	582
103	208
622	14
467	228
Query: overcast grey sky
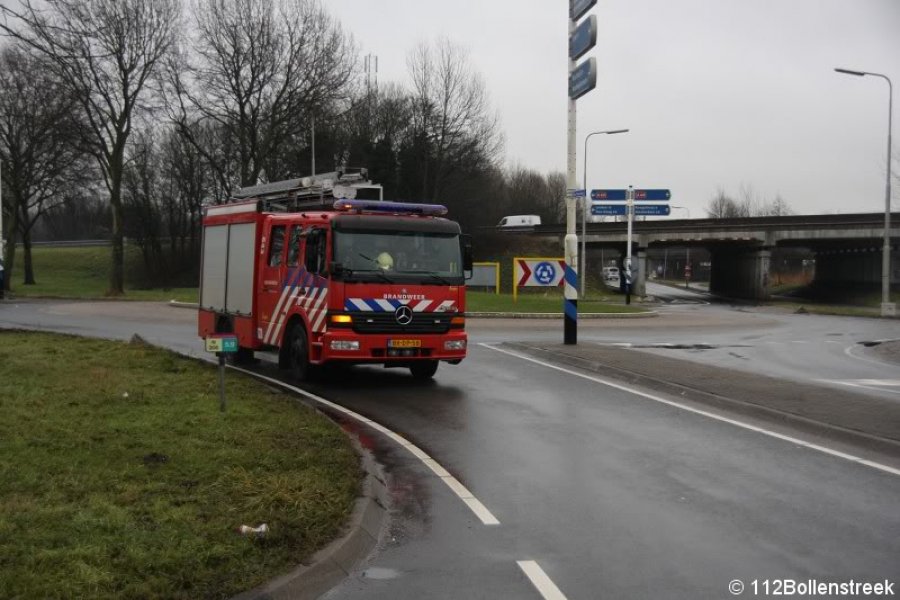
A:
716	92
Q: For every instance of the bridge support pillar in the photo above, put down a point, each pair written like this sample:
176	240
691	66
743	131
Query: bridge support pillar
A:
740	273
640	280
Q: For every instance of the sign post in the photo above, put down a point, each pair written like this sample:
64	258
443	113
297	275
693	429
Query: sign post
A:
629	208
582	79
222	344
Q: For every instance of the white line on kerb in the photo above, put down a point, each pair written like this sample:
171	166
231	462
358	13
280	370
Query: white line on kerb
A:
461	491
540	580
786	438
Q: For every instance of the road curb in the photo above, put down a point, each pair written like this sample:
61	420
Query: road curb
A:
333	563
179	304
581	315
502	315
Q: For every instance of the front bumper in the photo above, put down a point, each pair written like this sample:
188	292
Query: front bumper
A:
348	346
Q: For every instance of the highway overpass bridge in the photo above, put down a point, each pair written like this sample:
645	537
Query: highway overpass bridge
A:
847	247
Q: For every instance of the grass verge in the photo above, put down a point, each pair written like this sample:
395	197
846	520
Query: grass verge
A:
104	494
83	272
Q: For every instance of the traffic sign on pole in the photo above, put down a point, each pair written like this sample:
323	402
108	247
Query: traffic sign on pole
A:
607	210
652	195
584	38
608	195
577	8
575	193
583	78
651	210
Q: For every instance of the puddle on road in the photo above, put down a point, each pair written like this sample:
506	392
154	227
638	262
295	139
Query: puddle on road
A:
381	573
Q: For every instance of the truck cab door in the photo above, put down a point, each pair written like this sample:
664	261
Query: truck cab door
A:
271	280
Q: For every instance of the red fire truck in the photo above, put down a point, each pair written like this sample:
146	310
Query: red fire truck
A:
366	281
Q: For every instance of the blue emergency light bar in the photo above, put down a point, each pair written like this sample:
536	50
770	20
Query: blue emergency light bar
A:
435	210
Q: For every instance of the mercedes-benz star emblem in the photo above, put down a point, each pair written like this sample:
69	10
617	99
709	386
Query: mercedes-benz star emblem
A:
404	315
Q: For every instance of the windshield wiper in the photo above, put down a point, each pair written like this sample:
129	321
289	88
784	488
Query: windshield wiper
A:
431	274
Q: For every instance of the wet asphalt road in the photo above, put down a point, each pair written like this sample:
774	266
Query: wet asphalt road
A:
614	495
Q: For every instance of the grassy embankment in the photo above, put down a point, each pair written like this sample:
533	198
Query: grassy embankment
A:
83	273
119	477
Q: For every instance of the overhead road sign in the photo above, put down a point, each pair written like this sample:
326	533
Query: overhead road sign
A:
577	8
583	78
609	195
584	38
652	195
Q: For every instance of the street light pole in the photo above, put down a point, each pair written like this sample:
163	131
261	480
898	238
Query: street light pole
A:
584	204
888	308
687	259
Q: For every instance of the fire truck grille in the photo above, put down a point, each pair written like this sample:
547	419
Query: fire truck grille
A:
371	322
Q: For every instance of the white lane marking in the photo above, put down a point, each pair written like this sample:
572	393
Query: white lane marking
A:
879	385
849	352
624	388
540	580
799	342
461	491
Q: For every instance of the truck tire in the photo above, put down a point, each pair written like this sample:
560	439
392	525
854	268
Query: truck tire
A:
298	353
423	369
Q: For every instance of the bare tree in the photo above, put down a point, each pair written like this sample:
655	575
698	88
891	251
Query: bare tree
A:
722	206
452	123
38	146
778	207
105	51
258	71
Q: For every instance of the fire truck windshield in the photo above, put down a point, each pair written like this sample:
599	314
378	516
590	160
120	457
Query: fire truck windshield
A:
404	256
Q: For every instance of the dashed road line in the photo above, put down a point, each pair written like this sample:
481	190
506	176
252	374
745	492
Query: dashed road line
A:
461	491
540	580
636	392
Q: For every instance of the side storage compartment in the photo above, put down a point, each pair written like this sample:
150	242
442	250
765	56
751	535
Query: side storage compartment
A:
226	283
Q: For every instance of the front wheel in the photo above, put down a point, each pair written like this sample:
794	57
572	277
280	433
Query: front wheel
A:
298	353
423	369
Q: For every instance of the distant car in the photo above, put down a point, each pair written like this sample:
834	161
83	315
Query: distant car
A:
519	221
611	277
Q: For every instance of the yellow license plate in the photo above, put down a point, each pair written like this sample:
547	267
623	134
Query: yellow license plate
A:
404	343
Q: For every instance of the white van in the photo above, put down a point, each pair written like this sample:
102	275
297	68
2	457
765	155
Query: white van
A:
611	277
519	221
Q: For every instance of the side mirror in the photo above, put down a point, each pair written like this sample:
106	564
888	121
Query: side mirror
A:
466	241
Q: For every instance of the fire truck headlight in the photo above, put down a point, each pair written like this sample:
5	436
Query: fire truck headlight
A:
344	345
455	345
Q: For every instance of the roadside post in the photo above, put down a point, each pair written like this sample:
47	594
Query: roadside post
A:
629	209
582	79
222	344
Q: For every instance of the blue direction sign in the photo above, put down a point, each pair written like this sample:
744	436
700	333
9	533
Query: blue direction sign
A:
583	78
584	38
606	210
608	195
652	195
651	210
640	210
573	193
577	8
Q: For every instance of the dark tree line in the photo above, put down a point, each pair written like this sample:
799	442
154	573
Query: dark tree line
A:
125	117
